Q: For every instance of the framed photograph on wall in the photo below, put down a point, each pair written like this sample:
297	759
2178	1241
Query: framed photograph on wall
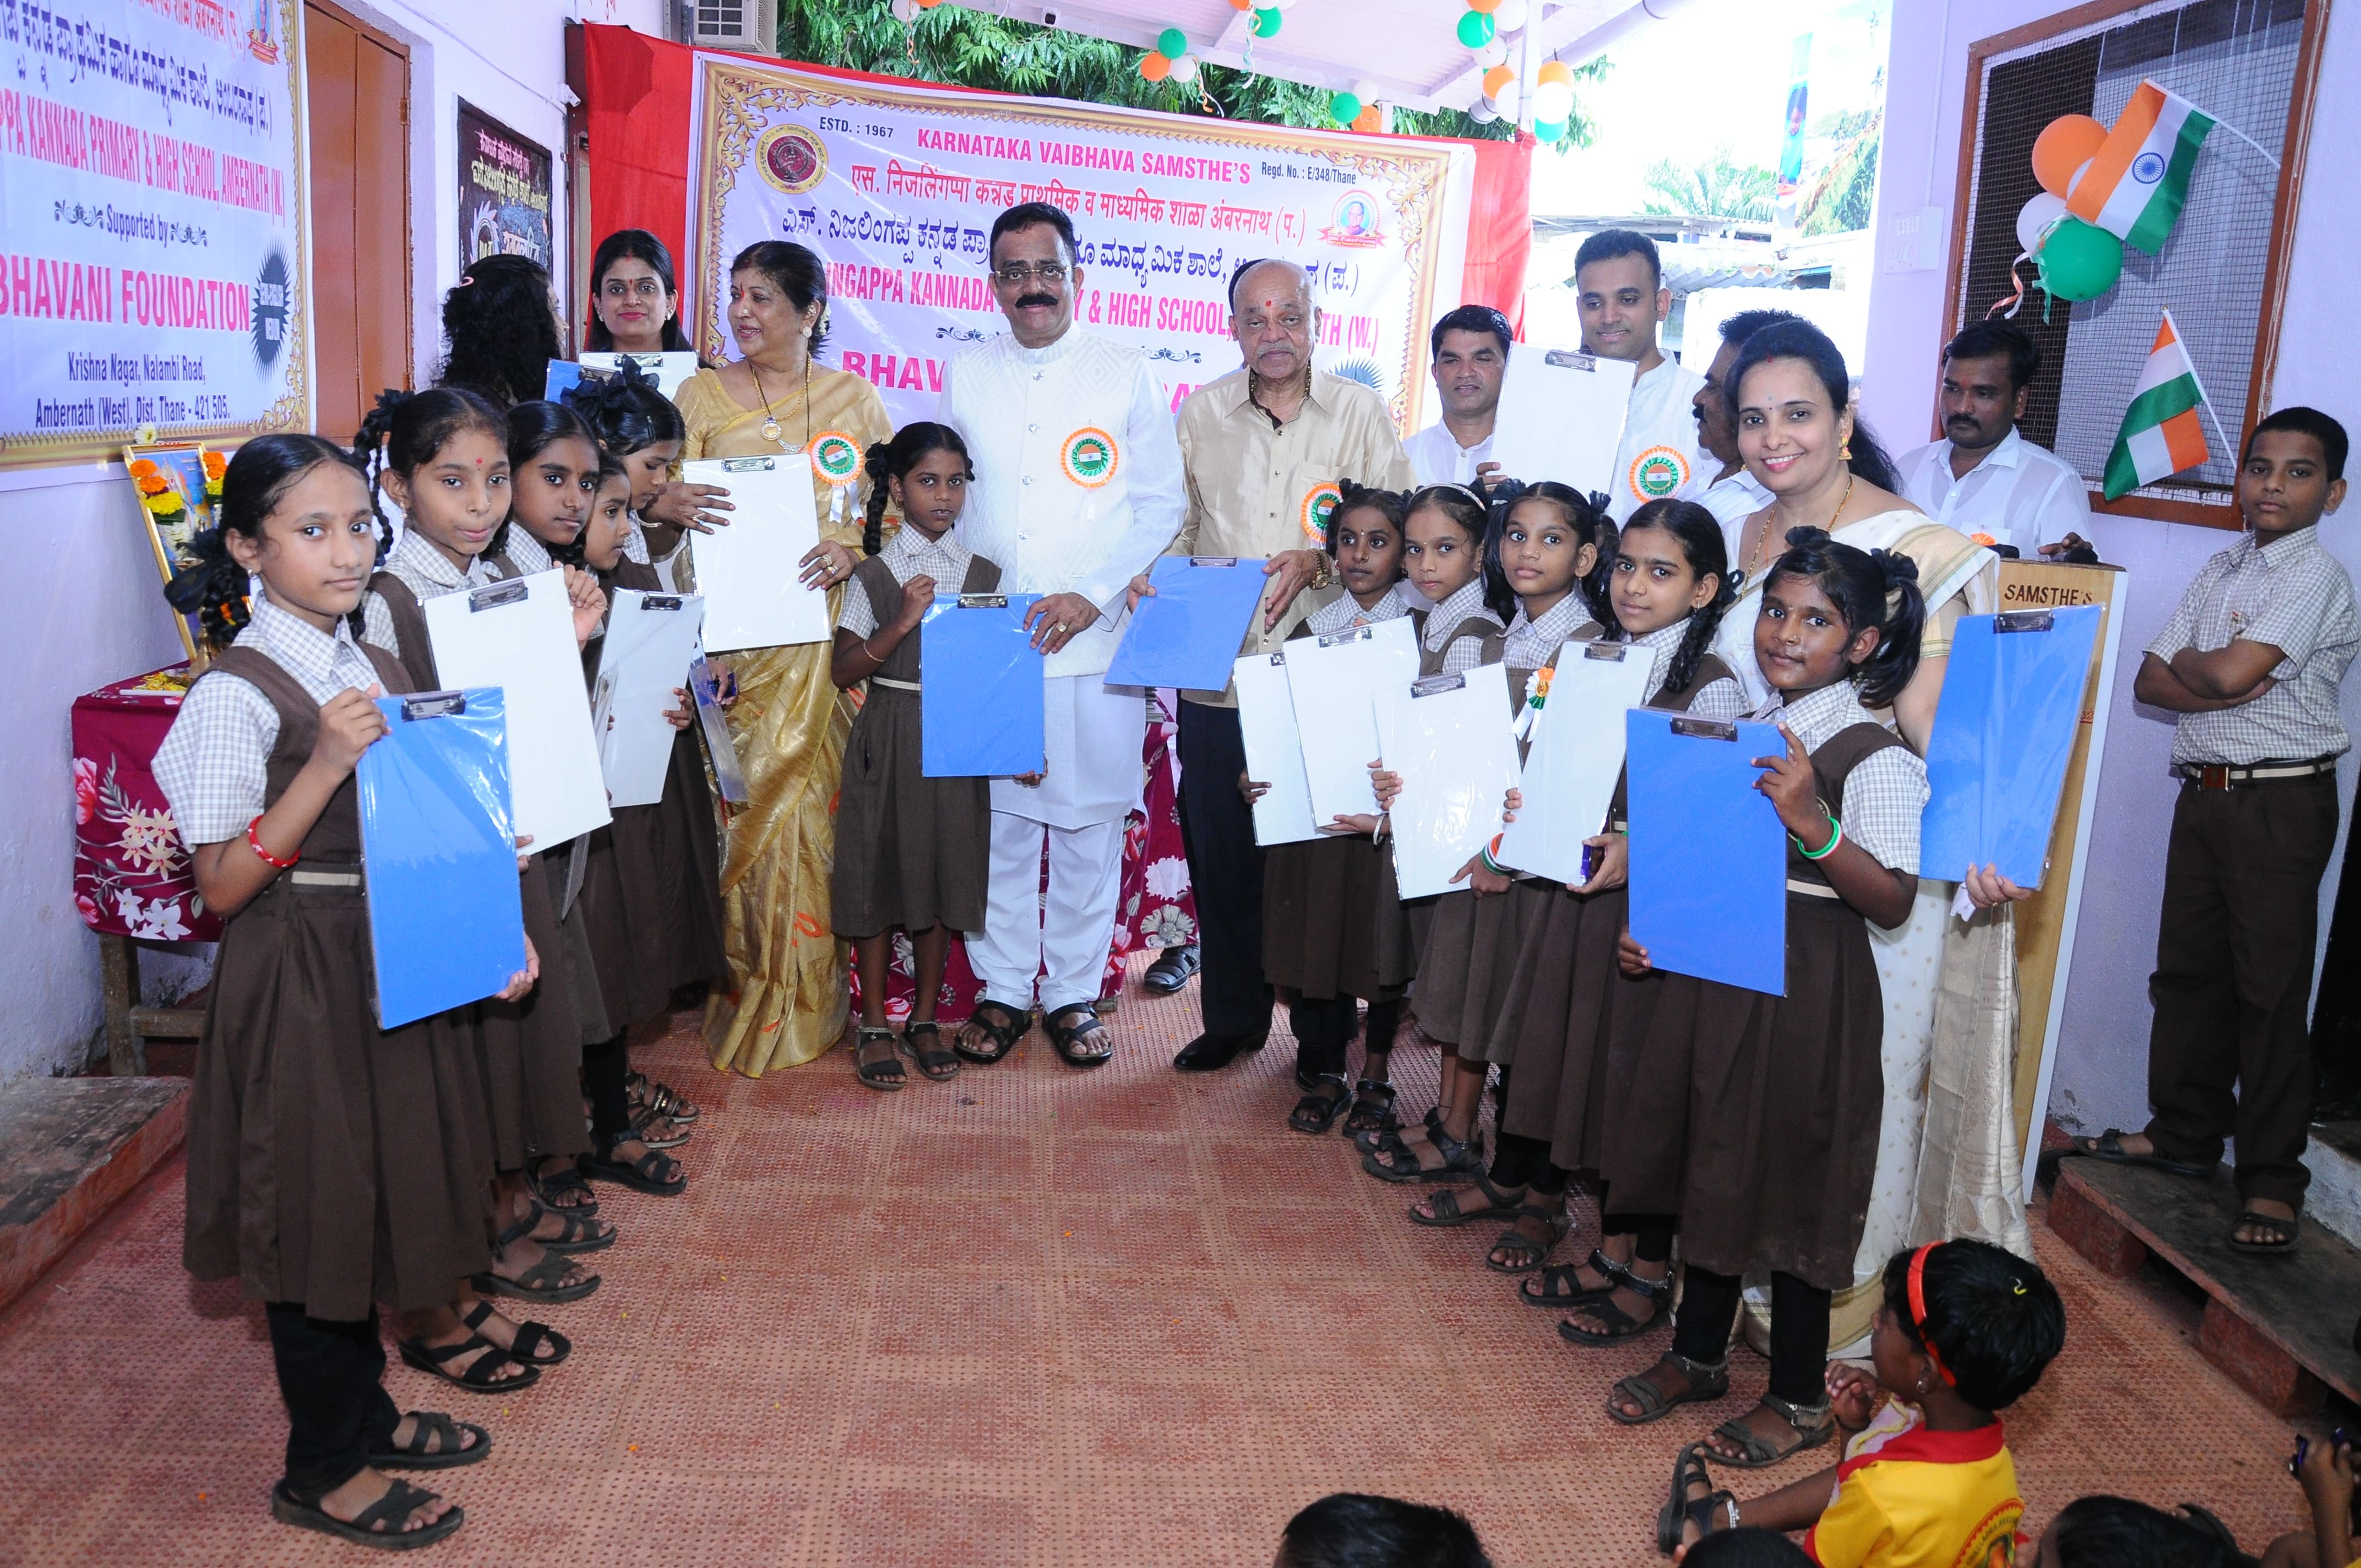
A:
176	484
504	183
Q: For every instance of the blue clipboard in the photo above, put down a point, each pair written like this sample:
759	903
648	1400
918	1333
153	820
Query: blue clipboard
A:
979	688
447	919
2005	731
1189	633
563	375
1708	856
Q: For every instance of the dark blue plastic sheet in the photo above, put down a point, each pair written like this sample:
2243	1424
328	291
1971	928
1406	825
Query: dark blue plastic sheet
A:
980	679
1708	858
1189	632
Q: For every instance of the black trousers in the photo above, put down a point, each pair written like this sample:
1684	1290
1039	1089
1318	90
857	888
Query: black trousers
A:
1799	1328
1224	872
605	1066
332	1376
1323	1030
2229	1051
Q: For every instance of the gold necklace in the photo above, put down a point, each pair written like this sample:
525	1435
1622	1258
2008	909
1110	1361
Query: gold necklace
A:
771	431
1763	540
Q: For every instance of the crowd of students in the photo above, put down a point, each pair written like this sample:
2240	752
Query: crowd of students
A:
447	1165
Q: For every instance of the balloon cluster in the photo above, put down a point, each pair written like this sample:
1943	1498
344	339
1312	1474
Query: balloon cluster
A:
2073	259
1266	14
908	11
1357	106
1484	28
1169	60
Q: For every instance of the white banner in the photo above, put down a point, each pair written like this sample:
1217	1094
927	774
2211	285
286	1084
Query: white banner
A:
151	278
897	186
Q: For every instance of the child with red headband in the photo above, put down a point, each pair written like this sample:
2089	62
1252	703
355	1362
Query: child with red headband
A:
1965	1331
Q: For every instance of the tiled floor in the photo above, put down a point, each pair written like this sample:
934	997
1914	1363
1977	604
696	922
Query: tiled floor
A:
1033	1316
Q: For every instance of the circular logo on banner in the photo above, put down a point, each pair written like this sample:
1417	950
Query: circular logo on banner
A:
1089	457
836	457
270	310
1320	505
791	158
1658	472
2147	168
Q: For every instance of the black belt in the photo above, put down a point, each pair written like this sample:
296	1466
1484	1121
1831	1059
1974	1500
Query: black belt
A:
2223	775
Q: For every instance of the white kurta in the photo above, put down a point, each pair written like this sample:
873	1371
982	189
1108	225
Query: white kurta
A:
1659	454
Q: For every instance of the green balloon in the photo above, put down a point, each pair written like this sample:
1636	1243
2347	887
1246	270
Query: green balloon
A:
1476	28
1265	22
2079	260
1172	43
1344	108
1549	131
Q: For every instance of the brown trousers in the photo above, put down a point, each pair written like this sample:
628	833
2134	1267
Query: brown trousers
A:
2229	1051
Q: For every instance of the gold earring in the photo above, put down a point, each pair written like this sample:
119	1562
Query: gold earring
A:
1844	453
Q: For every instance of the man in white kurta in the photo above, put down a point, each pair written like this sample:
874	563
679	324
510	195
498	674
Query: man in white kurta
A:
1078	489
1619	290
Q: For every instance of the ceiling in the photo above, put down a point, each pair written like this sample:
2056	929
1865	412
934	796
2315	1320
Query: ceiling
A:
1407	46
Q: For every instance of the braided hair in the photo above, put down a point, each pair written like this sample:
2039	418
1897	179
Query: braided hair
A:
1871	588
1393	505
213	585
501	328
1587	515
1698	533
894	459
1464	507
626	412
405	430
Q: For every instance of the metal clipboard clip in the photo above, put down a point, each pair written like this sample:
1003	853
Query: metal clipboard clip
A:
748	465
433	705
983	601
1213	560
1350	634
1435	685
1706	728
1567	359
659	601
2023	620
1612	652
514	591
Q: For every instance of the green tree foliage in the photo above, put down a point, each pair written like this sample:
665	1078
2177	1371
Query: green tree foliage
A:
963	47
1840	201
1718	188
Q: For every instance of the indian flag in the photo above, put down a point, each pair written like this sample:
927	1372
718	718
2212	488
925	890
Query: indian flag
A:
2161	435
2135	184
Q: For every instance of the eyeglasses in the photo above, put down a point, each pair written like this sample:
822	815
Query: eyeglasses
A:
1016	274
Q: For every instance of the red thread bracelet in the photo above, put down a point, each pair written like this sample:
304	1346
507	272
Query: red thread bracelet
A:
253	842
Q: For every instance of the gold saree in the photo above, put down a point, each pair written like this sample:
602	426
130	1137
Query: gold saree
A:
790	723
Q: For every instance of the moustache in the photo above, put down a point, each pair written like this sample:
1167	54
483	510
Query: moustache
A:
1029	302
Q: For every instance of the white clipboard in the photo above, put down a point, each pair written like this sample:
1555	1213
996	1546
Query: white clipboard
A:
670	369
750	570
1335	680
651	640
518	635
1562	418
1576	757
1274	750
1451	740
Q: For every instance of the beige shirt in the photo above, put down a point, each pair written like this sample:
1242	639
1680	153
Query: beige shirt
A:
1256	491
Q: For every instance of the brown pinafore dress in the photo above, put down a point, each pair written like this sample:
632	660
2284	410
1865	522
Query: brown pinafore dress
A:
531	1049
910	851
648	905
1777	1134
330	1162
1332	916
1568	1083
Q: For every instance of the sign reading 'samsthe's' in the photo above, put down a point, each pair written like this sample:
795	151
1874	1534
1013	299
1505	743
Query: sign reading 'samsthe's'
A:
151	270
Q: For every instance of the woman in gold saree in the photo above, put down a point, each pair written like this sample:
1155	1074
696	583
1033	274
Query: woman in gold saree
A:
788	1004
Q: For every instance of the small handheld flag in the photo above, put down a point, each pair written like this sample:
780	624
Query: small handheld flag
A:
2138	180
2162	434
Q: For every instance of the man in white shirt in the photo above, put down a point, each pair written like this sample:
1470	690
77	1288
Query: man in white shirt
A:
1731	494
1470	346
1619	290
1078	489
1984	479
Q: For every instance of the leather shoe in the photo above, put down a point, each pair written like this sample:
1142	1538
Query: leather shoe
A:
1207	1053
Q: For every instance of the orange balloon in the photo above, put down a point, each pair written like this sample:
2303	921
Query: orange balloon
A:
1554	71
1371	119
1498	77
1242	4
2063	146
1154	66
1487	7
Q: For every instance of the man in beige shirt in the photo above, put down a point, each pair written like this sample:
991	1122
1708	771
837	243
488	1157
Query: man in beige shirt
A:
1264	449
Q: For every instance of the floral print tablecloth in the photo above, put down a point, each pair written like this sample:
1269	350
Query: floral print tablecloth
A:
132	876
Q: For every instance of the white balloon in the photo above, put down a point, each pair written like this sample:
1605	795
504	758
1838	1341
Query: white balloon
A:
1494	53
1184	69
1507	17
1483	114
1370	92
2076	177
1507	102
906	11
2036	215
1553	101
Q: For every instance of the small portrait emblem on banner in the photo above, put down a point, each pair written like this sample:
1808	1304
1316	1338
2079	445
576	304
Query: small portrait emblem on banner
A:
792	158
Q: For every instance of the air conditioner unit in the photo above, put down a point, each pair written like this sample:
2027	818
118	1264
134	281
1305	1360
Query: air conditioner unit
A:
749	27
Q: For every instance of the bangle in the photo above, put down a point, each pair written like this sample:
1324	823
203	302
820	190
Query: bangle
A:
1836	836
253	842
1489	862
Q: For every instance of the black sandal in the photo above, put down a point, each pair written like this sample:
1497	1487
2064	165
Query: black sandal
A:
528	1335
939	1065
400	1501
1004	1031
2107	1147
1621	1324
659	1175
1812	1424
546	1184
443	1432
539	1283
1460	1157
1536	1252
1316	1112
886	1073
481	1375
662	1099
579	1236
2285	1230
1074	1041
1680	1509
640	1126
1707	1384
1447	1213
1373	1109
1569	1275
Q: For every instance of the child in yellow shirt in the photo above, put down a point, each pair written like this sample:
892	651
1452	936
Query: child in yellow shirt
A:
1927	1482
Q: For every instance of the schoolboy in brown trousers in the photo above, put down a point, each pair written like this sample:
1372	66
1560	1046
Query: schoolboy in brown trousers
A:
2251	661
